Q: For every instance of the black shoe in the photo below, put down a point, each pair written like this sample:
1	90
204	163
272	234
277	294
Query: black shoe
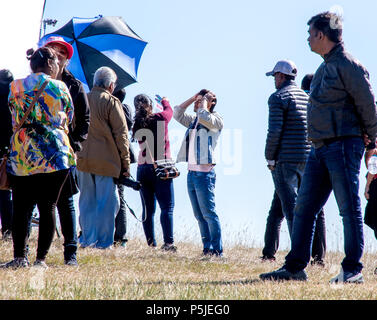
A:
375	271
207	252
169	247
7	235
15	264
317	262
284	274
268	258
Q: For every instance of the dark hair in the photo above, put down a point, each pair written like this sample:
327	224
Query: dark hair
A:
214	102
143	113
39	58
120	94
6	77
330	24
289	77
306	81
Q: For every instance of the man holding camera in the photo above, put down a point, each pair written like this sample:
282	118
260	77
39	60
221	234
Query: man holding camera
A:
204	129
105	156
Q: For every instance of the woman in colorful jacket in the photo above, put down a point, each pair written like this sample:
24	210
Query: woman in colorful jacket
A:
40	153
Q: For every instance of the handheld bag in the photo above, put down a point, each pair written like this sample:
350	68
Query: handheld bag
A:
164	168
4	178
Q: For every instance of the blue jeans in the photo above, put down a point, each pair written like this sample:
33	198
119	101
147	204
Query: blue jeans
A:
98	205
272	233
201	190
154	189
287	179
333	167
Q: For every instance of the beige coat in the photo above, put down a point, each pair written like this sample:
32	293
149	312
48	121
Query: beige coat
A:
106	150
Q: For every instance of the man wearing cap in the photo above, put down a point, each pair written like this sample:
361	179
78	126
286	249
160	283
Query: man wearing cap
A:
286	148
341	111
78	132
287	144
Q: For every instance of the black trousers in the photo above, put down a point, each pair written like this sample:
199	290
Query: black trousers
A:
6	211
41	190
121	218
272	233
370	217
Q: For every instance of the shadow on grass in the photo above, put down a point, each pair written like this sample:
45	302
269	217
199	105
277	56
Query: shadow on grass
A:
200	283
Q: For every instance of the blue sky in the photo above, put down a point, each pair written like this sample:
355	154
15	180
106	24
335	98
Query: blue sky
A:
227	46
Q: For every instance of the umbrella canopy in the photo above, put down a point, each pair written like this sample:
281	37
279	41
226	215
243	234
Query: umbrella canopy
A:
98	42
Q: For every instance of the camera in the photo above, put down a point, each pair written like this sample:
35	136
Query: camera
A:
129	182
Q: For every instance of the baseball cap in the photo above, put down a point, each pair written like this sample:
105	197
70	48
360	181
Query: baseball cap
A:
284	66
62	42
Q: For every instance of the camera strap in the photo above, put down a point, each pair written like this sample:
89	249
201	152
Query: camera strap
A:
132	211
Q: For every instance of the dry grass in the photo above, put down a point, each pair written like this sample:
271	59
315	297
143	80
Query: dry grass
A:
141	273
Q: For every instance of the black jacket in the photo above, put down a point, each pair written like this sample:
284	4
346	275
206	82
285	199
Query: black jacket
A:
287	128
341	100
130	122
78	129
5	118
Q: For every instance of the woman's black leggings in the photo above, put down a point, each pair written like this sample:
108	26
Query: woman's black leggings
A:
27	191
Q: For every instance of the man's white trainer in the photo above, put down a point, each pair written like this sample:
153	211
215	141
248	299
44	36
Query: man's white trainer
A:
347	277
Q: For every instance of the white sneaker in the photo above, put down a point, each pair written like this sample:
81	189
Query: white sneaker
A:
347	277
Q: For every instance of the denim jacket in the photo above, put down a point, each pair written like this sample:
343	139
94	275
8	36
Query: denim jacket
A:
207	134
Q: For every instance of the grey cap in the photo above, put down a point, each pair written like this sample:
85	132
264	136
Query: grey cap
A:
284	66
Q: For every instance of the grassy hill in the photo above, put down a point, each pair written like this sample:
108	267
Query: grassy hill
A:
141	273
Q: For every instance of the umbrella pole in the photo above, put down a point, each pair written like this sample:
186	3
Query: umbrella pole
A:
43	12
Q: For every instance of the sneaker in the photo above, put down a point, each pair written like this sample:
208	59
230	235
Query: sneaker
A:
7	235
120	243
268	258
16	263
71	262
70	259
40	264
347	277
317	262
284	274
217	253
169	247
207	252
375	271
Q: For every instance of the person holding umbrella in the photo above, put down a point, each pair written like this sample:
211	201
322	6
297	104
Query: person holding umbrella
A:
120	236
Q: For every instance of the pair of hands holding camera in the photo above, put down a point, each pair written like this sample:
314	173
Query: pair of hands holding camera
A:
209	97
